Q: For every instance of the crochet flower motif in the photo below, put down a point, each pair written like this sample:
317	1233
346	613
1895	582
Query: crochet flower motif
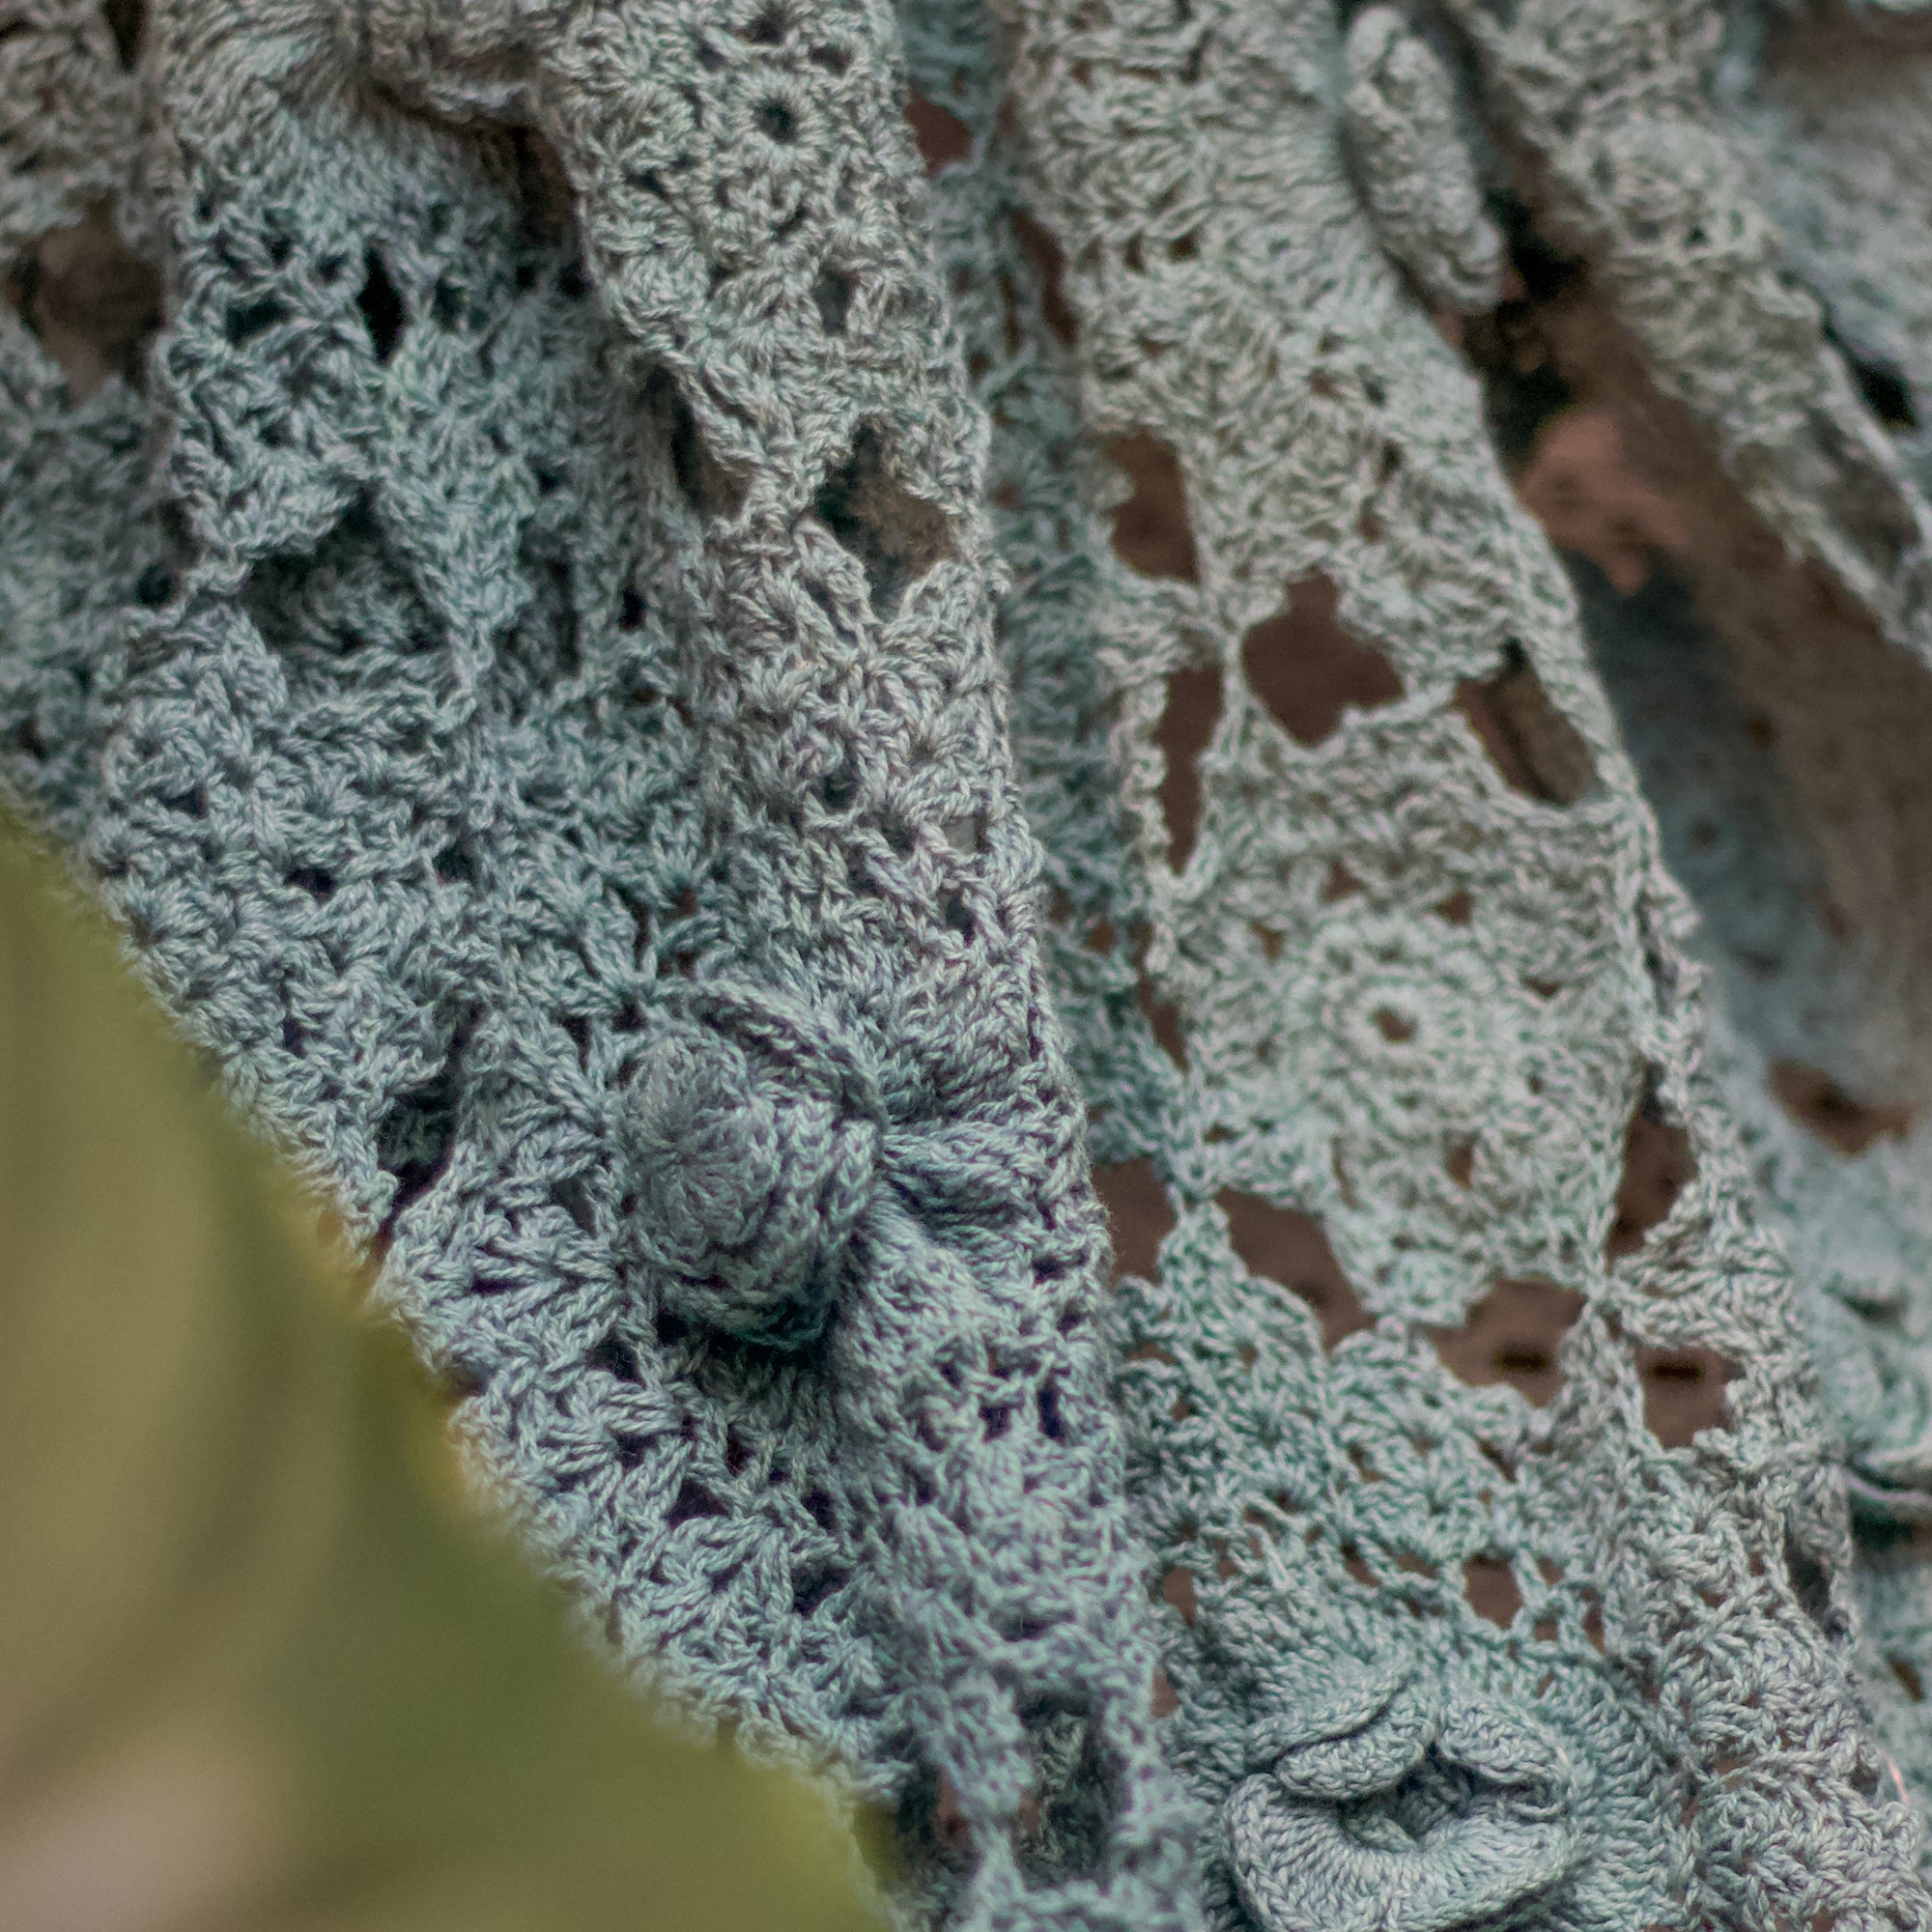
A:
753	1136
1389	1807
1386	1805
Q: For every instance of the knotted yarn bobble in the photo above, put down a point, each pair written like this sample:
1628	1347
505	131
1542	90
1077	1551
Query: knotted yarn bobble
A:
753	1154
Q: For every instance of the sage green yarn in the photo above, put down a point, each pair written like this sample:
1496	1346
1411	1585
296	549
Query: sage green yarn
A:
631	724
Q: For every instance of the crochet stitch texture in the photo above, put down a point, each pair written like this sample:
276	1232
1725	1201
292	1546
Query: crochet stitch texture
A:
618	661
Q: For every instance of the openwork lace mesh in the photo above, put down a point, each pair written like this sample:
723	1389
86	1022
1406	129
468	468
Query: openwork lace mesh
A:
737	660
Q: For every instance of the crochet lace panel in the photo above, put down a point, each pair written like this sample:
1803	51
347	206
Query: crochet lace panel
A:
617	645
1374	965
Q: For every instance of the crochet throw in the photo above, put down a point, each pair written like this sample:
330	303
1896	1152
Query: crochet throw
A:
1091	837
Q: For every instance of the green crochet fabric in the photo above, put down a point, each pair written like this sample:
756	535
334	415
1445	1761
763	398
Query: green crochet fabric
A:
711	733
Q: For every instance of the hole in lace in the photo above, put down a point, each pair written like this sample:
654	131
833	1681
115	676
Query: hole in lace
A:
1491	1586
1460	1163
1308	671
381	305
1532	745
1512	1336
1683	1391
778	120
128	22
1050	266
1099	938
1177	1588
416	1135
248	320
898	537
613	1356
940	134
579	1028
966	834
1151	531
1815	1100
1657	1166
1909	1679
572	1195
90	303
840	786
1062	1834
957	915
1046	1404
1340	884
693	1501
1163	1018
1458	909
1811	1585
1886	392
1186	730
549	641
314	880
932	1812
1281	1245
1139	1217
1593	1625
703	482
832	296
810	1587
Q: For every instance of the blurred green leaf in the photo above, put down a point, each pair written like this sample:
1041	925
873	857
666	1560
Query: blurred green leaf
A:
256	1666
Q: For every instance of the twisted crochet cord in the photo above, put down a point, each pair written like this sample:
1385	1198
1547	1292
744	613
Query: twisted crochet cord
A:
561	661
